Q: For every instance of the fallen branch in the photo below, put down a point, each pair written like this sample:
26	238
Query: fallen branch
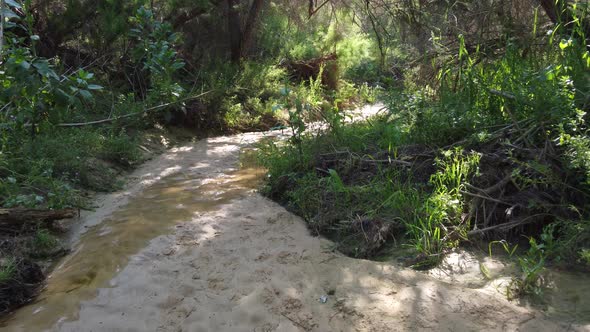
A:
484	197
387	161
365	159
508	225
18	217
502	94
494	188
82	124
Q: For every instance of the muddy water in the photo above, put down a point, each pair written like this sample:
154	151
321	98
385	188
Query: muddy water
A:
105	249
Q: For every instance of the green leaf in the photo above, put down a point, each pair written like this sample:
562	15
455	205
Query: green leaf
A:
563	44
61	96
13	3
85	94
8	13
337	183
94	87
25	65
44	69
177	65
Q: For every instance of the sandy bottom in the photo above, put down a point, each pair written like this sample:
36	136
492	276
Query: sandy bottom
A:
231	260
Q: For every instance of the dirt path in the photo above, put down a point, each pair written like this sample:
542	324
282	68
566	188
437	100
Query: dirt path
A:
231	260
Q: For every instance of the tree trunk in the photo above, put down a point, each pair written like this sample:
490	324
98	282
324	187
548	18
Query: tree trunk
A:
250	26
1	28
235	35
377	34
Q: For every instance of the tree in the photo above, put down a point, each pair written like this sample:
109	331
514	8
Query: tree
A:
250	27
233	20
241	39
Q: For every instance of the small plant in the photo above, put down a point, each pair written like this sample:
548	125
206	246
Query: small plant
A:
295	108
44	241
120	148
438	224
532	265
337	185
455	168
505	245
7	269
155	51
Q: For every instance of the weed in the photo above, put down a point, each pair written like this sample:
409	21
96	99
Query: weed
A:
505	245
532	265
7	270
438	224
567	241
120	148
43	241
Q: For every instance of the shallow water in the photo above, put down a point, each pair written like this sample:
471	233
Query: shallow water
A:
105	249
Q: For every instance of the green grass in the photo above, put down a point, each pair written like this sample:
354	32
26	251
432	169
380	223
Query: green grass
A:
50	170
43	241
329	196
7	270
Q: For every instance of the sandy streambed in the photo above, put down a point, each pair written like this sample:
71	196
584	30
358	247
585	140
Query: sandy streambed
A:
189	246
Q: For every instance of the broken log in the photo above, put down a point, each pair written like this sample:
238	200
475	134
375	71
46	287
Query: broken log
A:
18	218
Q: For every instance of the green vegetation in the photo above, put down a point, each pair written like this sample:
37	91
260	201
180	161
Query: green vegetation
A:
67	118
43	240
7	270
483	133
493	147
89	89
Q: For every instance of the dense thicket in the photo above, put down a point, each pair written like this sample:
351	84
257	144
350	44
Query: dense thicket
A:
485	137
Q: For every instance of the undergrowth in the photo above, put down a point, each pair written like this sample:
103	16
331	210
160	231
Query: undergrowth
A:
495	149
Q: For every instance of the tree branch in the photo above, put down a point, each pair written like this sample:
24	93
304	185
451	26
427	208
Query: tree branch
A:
312	10
1	28
89	123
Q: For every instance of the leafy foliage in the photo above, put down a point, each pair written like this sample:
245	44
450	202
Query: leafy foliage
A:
155	50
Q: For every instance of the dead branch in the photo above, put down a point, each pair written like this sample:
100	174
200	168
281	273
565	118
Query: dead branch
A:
483	197
508	225
494	188
90	123
19	217
387	161
502	94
